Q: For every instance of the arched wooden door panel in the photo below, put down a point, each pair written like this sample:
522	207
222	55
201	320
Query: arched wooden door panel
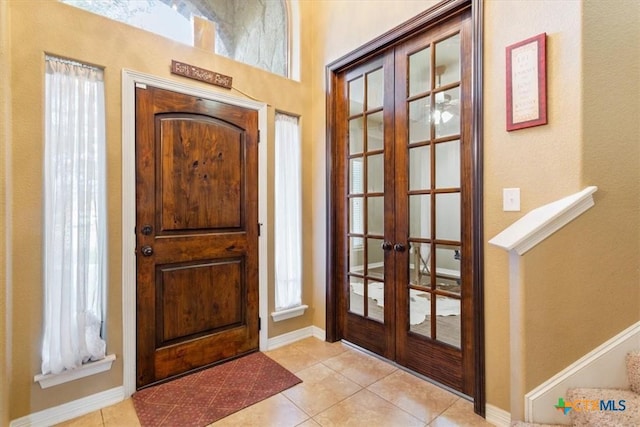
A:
196	231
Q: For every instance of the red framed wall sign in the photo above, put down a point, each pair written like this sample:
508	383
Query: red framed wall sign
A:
527	83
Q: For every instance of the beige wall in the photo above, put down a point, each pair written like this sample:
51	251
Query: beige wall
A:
578	289
51	27
5	119
546	163
585	278
591	260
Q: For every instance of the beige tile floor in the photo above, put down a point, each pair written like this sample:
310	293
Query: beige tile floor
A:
341	386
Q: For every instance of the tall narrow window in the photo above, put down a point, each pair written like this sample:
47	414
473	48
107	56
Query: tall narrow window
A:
288	251
74	216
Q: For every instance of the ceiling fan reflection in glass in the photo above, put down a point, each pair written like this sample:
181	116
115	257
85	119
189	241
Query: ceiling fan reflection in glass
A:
440	114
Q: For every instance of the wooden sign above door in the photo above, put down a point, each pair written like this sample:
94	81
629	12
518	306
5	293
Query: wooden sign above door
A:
197	73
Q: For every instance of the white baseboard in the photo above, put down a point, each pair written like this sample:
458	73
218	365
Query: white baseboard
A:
603	367
297	335
71	410
496	416
95	402
319	333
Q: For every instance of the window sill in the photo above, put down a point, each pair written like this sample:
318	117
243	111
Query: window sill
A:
288	313
85	370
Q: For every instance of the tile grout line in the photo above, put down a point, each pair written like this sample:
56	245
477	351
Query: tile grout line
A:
321	362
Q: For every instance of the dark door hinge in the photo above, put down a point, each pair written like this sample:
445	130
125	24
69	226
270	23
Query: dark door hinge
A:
259	228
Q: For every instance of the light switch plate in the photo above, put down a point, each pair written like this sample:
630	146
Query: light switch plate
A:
511	199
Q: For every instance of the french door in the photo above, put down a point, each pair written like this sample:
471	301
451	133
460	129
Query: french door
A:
402	203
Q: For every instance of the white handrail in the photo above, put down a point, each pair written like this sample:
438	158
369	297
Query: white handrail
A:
542	222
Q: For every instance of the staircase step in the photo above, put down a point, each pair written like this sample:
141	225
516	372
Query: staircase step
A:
633	370
600	407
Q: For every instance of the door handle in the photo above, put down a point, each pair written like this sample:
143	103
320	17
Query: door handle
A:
147	229
399	247
147	250
387	246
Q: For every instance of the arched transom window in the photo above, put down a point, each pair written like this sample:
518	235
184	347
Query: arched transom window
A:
254	32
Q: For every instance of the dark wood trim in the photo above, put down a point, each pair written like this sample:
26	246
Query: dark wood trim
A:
331	302
419	23
480	399
425	20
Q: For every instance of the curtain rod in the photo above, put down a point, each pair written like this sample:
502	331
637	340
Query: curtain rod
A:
71	62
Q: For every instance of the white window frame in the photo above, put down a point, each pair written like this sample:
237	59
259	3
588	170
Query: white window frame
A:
75	218
288	218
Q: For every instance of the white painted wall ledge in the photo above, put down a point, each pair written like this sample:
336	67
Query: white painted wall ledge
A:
288	313
542	222
517	239
87	369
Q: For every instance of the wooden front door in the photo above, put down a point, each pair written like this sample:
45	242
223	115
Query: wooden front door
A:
196	231
402	184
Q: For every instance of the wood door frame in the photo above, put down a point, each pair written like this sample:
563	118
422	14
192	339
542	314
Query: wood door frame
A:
419	23
129	81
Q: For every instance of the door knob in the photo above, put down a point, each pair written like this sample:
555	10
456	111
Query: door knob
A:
147	229
147	250
399	247
387	246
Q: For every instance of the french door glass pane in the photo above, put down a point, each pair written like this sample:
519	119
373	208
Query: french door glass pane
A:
375	173
366	175
356	295
356	136
375	89
447	317
375	213
420	312
448	320
375	131
356	215
420	216
448	267
376	300
448	216
446	117
356	176
448	164
446	283
419	120
448	61
356	96
356	255
420	168
419	268
442	110
375	258
420	72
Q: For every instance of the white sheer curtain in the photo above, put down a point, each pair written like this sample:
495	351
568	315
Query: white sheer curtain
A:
288	251
74	216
